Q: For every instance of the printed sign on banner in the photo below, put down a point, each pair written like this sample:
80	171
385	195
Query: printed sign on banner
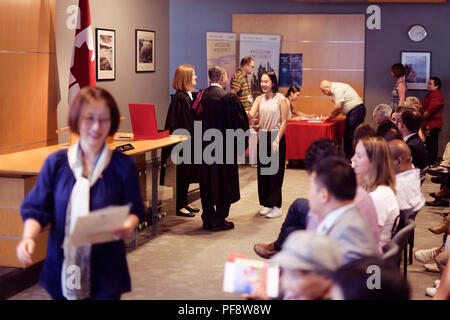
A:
265	49
221	51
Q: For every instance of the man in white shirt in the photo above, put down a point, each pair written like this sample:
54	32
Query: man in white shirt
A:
409	196
347	102
331	193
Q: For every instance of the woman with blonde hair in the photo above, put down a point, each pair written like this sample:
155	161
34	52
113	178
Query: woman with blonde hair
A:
372	162
180	116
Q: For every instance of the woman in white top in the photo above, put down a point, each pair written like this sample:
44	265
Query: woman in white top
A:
273	112
372	161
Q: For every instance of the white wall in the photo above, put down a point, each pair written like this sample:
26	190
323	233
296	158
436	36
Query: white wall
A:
123	17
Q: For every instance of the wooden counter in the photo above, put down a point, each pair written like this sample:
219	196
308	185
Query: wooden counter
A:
18	173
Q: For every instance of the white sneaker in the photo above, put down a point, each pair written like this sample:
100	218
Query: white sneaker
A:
265	211
275	212
430	292
425	256
437	283
431	267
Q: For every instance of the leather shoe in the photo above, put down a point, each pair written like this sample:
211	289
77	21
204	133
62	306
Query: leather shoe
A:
433	194
438	180
182	214
206	226
226	225
265	251
192	209
438	203
443	227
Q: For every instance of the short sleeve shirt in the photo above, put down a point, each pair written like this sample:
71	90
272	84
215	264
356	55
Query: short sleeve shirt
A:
239	82
345	94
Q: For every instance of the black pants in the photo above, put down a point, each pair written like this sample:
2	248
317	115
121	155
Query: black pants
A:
295	220
182	187
269	186
212	216
354	118
431	142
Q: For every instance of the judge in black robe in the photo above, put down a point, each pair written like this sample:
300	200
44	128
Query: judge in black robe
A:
180	116
219	182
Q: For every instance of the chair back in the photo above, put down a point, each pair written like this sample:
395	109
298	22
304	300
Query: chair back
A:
392	253
400	221
402	235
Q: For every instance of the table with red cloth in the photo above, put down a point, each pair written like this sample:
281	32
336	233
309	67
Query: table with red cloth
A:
300	135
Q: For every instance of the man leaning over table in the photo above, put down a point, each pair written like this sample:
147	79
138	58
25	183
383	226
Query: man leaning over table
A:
347	102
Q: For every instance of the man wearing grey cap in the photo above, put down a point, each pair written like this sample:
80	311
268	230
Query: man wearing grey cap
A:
306	260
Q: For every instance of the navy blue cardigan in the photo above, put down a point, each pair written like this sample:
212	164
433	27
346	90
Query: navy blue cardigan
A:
47	203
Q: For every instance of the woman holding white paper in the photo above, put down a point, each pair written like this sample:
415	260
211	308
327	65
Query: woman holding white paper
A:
86	177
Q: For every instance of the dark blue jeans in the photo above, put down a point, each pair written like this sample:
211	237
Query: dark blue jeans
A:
354	118
295	220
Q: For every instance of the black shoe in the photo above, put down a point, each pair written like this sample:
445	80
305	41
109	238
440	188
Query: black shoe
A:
192	209
207	225
437	203
226	225
433	194
438	180
182	214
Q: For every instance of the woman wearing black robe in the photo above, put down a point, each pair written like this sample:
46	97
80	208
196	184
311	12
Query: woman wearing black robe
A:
180	116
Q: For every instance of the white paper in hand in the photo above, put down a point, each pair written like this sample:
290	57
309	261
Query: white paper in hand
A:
97	227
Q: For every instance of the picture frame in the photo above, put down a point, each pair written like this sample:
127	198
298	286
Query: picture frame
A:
105	53
418	69
145	50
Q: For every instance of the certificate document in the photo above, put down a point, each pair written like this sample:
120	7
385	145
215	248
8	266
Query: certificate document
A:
97	226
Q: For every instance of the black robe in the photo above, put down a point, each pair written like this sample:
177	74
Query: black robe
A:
221	110
180	116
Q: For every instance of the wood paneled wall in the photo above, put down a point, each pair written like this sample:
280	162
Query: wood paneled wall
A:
332	46
28	80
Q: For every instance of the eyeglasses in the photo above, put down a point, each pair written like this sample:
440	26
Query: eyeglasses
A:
91	120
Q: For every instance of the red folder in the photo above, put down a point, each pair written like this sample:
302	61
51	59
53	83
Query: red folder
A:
143	122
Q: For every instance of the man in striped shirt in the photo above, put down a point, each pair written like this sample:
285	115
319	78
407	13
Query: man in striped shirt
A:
239	82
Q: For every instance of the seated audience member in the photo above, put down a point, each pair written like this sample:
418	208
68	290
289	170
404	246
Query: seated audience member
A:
332	188
409	125
360	280
361	131
306	260
413	102
372	160
299	216
441	198
397	114
407	179
443	290
381	113
435	259
388	131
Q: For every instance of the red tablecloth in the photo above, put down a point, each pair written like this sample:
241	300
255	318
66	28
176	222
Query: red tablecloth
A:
300	135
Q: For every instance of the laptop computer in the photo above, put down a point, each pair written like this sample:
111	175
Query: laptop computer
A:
143	122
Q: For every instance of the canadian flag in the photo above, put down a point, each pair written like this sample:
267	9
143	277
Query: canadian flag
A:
82	69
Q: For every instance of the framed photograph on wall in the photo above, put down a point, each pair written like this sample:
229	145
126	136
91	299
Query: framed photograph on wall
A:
105	53
418	66
145	51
